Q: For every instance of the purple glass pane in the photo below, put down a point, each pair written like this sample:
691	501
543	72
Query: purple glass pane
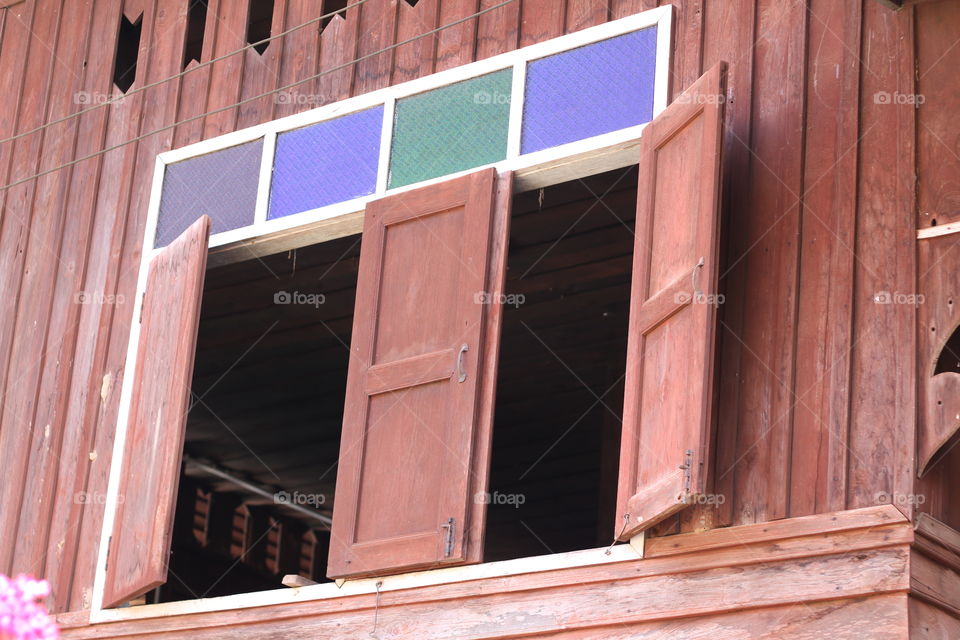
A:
222	185
598	88
329	162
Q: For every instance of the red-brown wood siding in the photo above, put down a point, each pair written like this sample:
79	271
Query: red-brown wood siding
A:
817	382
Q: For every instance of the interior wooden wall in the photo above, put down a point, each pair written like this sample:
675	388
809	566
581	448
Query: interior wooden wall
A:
817	402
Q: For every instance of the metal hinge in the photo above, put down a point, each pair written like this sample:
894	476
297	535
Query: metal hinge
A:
687	468
450	525
106	561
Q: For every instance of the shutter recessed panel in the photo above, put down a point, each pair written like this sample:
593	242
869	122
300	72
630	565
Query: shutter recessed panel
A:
412	434
668	403
150	472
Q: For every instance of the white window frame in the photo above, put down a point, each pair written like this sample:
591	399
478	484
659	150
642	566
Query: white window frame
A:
544	168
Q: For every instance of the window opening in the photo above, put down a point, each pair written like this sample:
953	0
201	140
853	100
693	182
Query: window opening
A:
556	432
263	433
128	52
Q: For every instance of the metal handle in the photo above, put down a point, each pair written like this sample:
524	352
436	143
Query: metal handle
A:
693	277
461	372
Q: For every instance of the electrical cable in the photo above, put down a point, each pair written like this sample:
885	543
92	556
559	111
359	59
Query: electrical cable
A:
252	98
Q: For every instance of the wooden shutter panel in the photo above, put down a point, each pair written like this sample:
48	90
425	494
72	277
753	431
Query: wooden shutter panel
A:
416	432
140	544
668	397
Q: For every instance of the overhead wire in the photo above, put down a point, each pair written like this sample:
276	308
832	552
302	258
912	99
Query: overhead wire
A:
254	98
181	74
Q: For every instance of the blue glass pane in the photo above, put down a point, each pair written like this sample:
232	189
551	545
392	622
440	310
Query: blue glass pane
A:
222	185
598	88
328	162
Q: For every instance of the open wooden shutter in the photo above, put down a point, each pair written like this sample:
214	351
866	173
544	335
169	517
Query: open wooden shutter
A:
140	543
416	429
668	398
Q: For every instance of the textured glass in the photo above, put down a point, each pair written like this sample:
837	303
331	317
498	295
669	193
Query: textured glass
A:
222	185
595	89
328	162
450	129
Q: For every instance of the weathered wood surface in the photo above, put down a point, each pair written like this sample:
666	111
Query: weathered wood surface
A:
928	622
140	541
419	333
668	407
842	572
818	385
934	579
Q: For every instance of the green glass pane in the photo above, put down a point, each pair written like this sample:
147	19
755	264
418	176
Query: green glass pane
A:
450	129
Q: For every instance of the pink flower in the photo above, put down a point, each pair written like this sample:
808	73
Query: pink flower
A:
22	614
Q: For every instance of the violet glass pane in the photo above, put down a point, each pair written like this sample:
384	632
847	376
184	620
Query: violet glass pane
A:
222	185
332	161
595	89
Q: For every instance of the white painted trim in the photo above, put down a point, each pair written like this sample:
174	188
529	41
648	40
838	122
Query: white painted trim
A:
386	145
661	78
517	91
266	178
939	230
579	159
660	17
327	591
517	60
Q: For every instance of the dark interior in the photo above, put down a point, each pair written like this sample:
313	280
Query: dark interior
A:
556	436
270	377
259	24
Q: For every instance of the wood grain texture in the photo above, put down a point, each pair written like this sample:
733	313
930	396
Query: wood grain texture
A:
405	496
54	281
928	622
798	103
830	574
824	331
140	542
668	403
42	25
883	407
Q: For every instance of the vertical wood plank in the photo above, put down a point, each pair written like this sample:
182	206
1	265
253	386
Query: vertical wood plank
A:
15	229
378	29
260	74
541	20
338	48
455	45
767	334
883	402
687	45
624	8
229	34
585	13
415	59
498	30
729	32
301	51
938	155
75	450
938	258
819	451
154	108
195	84
50	307
91	381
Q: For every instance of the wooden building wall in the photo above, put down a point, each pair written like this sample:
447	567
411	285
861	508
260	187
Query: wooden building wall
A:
817	381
